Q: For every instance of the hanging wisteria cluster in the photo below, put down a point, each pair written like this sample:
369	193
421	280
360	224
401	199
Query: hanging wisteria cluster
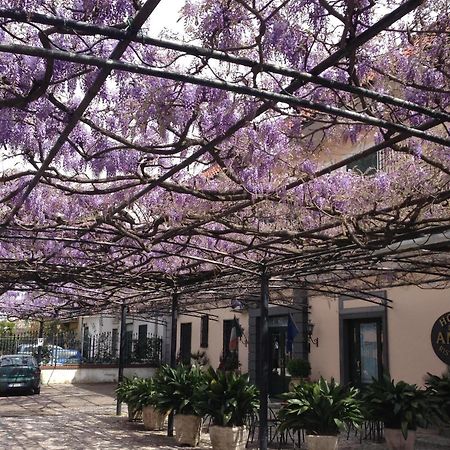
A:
133	165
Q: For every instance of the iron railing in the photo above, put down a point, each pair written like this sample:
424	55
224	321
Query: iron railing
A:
66	348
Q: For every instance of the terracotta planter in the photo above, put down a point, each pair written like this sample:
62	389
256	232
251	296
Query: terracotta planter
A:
152	418
134	413
315	442
396	441
228	438
187	429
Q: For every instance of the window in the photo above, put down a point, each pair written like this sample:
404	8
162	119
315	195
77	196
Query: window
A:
142	341
367	165
115	342
204	331
185	343
227	324
128	342
230	359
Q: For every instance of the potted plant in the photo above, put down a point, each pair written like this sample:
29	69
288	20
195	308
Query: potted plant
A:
231	400
401	406
438	391
144	396
299	369
322	409
182	390
125	393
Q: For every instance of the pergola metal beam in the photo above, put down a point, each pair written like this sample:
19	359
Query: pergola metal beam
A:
134	27
202	52
289	99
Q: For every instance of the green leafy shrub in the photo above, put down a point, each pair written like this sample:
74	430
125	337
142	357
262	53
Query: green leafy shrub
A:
143	392
399	405
299	368
438	390
181	390
321	408
231	398
125	391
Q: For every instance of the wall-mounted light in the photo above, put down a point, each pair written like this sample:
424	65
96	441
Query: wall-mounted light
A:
309	332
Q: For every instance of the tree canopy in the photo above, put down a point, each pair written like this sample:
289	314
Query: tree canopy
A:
135	165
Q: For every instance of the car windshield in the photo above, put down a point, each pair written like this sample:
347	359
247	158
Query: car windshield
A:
16	361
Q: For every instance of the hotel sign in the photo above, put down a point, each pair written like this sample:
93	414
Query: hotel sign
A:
440	338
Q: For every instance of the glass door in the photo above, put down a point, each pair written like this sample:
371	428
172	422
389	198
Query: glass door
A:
278	382
364	343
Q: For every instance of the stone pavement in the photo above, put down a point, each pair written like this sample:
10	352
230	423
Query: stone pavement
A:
82	417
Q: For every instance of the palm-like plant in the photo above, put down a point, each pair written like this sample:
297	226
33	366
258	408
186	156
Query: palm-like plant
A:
125	390
181	390
231	398
321	408
438	390
399	405
143	392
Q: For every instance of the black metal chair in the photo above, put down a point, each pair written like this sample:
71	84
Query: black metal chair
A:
280	439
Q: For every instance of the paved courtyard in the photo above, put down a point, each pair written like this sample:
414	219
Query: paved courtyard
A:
83	417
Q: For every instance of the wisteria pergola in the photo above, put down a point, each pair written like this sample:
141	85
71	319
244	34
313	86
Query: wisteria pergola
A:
150	172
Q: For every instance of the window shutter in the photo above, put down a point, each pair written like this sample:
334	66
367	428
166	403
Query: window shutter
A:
204	331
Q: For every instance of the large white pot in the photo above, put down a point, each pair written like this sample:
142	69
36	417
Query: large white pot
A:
152	418
396	441
228	438
315	442
187	429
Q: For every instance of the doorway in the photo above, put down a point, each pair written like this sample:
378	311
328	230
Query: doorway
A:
278	383
364	350
185	343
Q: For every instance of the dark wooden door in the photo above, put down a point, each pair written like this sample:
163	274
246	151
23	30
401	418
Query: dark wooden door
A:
186	343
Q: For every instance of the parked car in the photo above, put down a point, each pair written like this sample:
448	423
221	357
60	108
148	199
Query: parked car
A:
19	373
52	354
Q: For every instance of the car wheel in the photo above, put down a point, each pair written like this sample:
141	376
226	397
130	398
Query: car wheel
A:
37	390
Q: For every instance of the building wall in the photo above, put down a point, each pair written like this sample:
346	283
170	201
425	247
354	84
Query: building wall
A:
325	358
247	319
409	323
215	340
64	375
409	351
105	323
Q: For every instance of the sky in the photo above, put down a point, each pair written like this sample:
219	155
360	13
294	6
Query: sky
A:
166	15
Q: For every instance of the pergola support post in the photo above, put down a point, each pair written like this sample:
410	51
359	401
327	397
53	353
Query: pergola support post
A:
40	336
122	351
173	349
263	363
